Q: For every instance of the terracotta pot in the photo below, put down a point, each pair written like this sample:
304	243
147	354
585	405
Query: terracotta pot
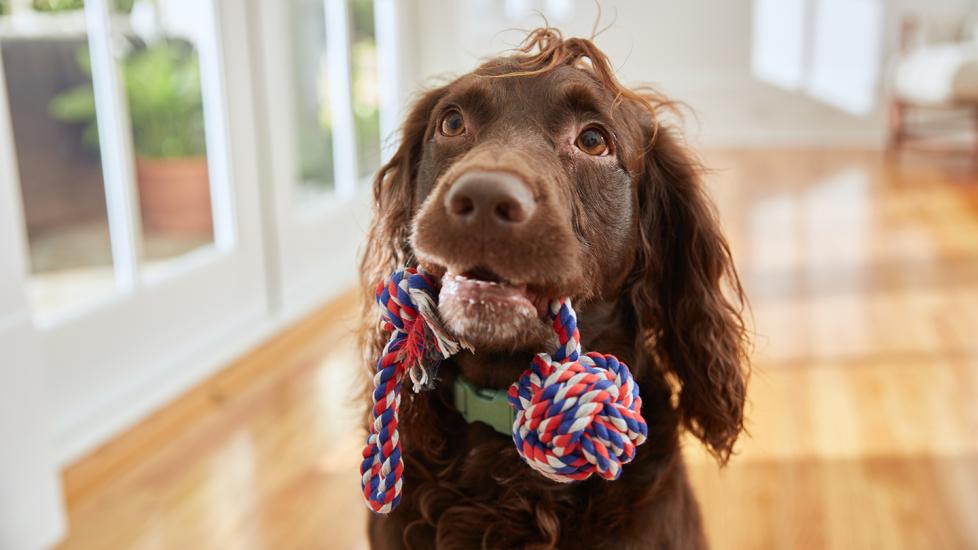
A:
174	195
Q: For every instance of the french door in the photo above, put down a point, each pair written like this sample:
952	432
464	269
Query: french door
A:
132	125
192	174
329	78
178	179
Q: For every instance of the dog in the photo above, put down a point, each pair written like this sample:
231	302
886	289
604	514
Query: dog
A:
534	177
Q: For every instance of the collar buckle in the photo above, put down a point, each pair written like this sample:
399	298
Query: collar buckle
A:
485	405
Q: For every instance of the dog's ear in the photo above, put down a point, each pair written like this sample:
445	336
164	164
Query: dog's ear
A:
387	246
687	295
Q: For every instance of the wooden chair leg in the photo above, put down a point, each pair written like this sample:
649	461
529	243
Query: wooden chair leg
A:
895	127
974	147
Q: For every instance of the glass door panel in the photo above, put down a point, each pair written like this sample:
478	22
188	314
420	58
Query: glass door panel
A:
160	68
47	69
313	123
366	87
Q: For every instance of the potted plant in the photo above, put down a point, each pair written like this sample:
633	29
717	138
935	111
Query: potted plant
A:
162	83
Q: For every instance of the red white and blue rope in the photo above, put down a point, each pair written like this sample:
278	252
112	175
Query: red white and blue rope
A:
415	348
576	415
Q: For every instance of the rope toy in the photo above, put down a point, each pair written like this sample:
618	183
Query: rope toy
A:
416	347
577	415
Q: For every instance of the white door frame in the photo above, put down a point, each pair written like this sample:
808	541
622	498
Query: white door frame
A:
31	509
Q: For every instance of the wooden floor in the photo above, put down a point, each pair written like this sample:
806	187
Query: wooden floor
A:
863	277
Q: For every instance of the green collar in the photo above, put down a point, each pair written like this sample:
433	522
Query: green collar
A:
484	405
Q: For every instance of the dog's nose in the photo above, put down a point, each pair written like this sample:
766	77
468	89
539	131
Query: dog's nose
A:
497	198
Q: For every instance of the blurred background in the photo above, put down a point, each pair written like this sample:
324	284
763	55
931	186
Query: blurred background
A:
184	185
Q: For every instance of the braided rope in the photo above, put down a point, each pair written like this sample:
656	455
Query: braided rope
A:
416	346
576	415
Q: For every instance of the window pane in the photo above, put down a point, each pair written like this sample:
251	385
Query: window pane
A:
161	71
366	100
312	115
56	140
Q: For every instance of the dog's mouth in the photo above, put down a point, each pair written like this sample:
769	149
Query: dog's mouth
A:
487	311
484	288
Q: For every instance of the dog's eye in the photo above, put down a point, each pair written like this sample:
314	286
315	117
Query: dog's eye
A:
452	124
593	142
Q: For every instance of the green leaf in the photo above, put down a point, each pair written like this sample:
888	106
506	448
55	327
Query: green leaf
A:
74	105
58	5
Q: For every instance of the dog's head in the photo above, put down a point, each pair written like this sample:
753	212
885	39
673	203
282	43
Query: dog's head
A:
539	176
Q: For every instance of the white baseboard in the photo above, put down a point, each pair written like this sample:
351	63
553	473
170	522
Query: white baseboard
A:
165	380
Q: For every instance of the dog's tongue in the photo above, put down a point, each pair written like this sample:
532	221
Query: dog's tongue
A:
470	290
477	291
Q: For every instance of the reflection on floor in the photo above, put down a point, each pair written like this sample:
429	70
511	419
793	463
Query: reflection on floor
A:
863	277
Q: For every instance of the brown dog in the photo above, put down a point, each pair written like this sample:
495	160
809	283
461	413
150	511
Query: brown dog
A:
540	174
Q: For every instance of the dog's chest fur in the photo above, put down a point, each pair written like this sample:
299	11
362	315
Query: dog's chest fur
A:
477	492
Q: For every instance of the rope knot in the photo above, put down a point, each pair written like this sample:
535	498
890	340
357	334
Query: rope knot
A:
579	415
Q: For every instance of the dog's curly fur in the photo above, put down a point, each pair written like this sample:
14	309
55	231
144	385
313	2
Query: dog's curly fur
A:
655	285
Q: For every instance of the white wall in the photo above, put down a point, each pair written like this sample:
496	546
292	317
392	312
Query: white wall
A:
697	51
